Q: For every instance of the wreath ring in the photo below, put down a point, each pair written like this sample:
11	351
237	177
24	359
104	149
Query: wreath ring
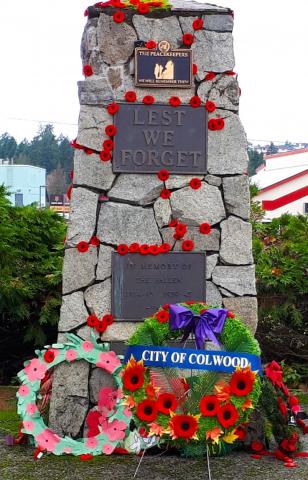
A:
75	348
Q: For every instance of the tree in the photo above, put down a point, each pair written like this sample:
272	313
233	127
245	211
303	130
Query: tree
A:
272	149
43	149
255	160
56	182
8	146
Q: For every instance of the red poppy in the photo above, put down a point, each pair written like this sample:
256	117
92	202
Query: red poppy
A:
147	410
187	39
69	192
133	377
240	432
87	70
82	247
162	316
212	124
111	130
166	306
293	400
187	245
227	415
105	155
108	319
220	123
183	426
134	247
154	249
92	321
230	315
116	4
210	76
84	457
118	17
177	236
144	249
101	326
130	96
197	24
230	73
113	108
174	101
49	356
180	230
257	446
195	183
108	144
241	382
173	223
143	8
163	175
274	372
167	402
209	405
210	106
88	151
122	249
205	228
195	101
148	100
194	69
165	248
151	44
95	241
165	194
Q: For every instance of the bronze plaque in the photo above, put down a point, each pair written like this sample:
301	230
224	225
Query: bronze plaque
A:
142	283
154	137
163	67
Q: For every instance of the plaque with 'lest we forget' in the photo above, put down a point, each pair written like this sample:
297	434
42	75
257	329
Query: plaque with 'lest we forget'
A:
154	137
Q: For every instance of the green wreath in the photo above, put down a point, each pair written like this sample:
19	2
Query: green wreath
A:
117	421
196	412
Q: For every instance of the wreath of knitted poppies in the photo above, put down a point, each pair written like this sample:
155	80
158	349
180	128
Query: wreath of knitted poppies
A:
116	423
206	408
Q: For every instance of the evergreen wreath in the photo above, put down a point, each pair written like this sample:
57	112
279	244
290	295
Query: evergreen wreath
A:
196	412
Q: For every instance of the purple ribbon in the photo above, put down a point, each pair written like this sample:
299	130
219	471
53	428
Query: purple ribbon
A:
203	325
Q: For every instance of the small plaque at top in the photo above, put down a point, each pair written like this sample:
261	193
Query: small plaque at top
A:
163	67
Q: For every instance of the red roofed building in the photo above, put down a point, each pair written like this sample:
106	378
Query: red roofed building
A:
283	183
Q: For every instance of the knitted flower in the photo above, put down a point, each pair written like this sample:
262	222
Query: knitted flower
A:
195	101
87	70
130	96
197	24
113	108
118	17
187	39
111	130
174	101
163	175
148	100
151	44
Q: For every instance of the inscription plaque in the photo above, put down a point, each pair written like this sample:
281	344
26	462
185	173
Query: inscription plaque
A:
152	137
142	283
163	67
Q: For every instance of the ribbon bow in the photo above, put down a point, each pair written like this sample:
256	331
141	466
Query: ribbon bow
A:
203	325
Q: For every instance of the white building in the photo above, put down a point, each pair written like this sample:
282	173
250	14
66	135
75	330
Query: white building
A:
283	183
26	184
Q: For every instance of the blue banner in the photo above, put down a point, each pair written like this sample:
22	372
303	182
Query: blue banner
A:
187	358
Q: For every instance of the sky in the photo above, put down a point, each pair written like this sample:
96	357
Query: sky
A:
39	51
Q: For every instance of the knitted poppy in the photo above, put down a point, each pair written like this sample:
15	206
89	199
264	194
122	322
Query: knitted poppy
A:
197	24
113	108
143	8
183	426
118	17
257	446
220	123
122	249
88	151
49	356
92	321
101	326
165	194
230	315
187	39
205	228
209	405
180	230
95	241
230	73
187	245
144	249
173	223
111	130
176	236
165	248
133	377
147	410
82	247
130	96
241	382
84	457
166	402
174	101
194	69
108	319
195	183
148	100
87	70
210	106
108	144
134	247
195	101
210	76
154	249
212	124
151	44
227	415
105	155
162	316
163	175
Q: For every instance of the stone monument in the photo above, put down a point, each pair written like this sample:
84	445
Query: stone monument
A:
119	202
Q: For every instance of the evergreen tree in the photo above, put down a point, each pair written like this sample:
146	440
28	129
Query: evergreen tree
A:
255	160
8	146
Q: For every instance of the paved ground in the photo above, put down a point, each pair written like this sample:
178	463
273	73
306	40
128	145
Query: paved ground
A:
16	463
